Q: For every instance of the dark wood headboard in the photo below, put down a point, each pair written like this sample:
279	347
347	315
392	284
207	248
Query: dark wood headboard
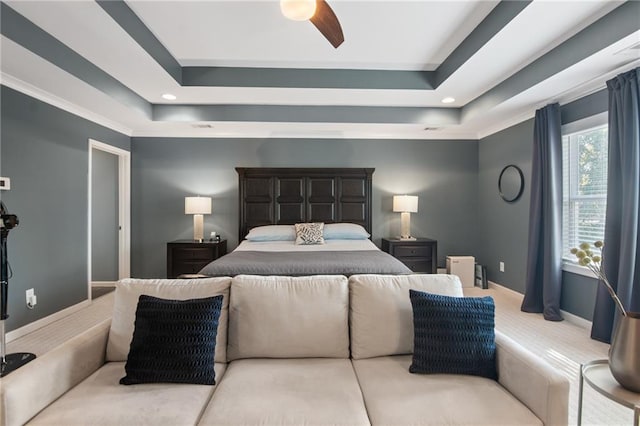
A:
285	196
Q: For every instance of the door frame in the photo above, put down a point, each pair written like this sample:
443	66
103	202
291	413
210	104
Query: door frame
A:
124	211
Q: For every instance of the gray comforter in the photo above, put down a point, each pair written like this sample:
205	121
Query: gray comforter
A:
305	263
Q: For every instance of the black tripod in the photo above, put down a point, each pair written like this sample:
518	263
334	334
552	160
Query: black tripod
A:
9	362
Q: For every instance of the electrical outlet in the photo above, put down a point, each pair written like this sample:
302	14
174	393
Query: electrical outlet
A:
31	298
501	266
5	184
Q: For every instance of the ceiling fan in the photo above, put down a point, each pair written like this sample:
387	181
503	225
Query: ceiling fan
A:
319	13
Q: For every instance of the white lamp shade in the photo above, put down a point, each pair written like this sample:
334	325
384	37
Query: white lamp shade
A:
298	10
405	203
197	205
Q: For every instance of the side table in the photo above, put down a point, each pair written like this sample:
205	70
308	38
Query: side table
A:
597	375
420	255
189	256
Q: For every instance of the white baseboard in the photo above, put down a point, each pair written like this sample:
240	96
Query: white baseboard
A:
31	327
103	283
504	289
576	320
572	318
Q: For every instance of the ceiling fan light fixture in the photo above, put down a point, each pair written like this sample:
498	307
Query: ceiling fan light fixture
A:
298	10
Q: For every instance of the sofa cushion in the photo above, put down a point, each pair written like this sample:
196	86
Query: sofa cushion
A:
381	314
288	317
100	400
453	335
311	391
126	300
394	396
174	341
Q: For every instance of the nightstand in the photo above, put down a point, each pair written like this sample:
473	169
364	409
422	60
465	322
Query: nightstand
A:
420	255
189	256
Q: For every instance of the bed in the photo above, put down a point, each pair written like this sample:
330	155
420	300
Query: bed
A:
343	257
273	200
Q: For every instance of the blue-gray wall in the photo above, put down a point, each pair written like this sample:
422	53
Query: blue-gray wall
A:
503	227
165	170
45	153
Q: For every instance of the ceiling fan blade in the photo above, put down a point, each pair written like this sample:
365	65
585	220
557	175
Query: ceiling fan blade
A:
327	22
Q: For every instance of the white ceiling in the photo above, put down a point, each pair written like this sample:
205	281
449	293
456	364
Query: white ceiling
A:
381	35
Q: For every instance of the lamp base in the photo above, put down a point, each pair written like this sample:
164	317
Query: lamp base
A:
198	228
14	361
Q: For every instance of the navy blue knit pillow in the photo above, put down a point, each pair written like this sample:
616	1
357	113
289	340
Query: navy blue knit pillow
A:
174	341
453	335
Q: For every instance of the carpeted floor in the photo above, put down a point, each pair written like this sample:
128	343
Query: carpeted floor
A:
563	344
100	291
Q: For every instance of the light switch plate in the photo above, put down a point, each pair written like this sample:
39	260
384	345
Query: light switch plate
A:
5	184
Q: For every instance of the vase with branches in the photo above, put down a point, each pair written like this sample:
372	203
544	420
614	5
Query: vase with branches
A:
592	257
624	353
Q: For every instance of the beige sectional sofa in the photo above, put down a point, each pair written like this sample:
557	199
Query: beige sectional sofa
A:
322	350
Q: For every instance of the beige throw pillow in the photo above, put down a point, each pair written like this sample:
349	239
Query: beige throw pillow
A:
310	233
128	292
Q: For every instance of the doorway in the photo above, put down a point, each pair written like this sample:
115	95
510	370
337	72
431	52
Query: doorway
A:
109	216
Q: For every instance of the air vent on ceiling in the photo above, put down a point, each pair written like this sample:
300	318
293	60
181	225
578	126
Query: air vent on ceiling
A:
432	128
202	126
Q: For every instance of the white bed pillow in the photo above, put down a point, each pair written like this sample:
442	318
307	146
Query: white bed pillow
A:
344	231
272	233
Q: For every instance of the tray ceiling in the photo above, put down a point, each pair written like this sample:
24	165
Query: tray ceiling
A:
240	69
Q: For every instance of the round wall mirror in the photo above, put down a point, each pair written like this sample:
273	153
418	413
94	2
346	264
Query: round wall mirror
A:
511	183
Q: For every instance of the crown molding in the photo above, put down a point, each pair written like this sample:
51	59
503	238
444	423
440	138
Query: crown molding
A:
44	96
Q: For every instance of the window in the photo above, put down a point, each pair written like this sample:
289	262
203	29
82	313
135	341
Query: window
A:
584	186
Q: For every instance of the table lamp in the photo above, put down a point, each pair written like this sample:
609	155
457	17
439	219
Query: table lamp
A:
197	206
405	205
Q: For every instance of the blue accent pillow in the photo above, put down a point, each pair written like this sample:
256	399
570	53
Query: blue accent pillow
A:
344	231
453	335
272	233
174	341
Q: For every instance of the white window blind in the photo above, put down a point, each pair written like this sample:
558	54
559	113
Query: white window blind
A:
584	179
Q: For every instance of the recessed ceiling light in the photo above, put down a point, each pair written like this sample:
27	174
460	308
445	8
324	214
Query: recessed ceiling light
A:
169	97
448	100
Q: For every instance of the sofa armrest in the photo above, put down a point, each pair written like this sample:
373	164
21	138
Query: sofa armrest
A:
28	390
533	381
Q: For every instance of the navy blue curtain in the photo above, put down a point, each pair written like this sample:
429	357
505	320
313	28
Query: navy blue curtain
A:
621	240
544	259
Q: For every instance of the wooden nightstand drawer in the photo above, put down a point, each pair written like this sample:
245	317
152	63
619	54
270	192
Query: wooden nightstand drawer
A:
420	255
412	251
191	267
417	264
193	253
